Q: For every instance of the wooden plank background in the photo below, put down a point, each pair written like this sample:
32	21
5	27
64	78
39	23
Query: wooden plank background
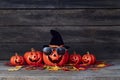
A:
59	3
60	17
85	25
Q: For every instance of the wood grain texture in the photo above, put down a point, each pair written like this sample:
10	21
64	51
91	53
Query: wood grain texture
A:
60	17
59	4
103	41
28	3
85	25
80	34
89	4
101	51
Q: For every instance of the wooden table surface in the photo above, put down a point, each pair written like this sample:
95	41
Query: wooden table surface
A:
107	73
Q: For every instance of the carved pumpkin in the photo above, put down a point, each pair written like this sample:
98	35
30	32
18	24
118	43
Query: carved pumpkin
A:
75	58
88	59
54	58
33	57
16	60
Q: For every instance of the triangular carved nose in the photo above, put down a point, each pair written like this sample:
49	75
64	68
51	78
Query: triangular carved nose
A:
54	55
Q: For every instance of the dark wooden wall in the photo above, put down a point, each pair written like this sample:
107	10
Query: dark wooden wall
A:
85	25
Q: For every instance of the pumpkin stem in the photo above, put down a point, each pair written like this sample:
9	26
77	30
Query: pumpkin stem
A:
88	52
16	54
74	52
32	49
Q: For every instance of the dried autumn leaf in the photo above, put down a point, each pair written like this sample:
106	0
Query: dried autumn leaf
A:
74	69
12	69
65	69
82	68
30	68
83	65
16	68
101	65
53	68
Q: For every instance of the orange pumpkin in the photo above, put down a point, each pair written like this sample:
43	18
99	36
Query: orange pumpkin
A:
33	57
88	58
75	58
56	59
16	60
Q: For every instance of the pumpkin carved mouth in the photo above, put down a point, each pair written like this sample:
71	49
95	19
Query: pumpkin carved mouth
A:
55	61
34	60
86	61
17	62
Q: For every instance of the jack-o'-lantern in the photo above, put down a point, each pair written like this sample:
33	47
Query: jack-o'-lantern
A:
75	58
56	53
88	58
58	56
16	60
33	57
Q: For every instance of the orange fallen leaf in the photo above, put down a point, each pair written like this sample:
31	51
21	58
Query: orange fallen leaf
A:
101	65
65	69
82	68
30	68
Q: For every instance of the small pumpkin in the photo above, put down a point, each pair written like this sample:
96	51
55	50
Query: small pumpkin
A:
54	58
16	60
75	58
33	57
88	58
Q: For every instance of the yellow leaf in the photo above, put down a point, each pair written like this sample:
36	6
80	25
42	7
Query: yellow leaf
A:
16	68
74	69
101	65
53	68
